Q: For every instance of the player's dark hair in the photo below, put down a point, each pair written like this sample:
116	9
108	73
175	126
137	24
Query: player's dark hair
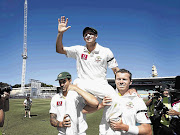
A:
124	71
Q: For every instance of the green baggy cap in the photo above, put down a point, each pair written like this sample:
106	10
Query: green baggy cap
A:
63	75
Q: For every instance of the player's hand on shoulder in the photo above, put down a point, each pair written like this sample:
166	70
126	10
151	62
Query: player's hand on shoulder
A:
72	87
106	101
132	90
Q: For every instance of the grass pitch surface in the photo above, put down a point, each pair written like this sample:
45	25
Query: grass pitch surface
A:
39	123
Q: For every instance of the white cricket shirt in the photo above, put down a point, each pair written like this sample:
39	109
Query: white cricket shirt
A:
58	104
133	111
92	65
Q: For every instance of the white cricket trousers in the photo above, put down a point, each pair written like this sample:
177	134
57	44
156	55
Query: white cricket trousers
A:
101	89
71	110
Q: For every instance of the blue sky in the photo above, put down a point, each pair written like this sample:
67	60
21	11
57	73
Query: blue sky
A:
140	33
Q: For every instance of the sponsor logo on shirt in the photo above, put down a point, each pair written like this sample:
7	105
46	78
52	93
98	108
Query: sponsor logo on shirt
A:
129	105
98	59
84	56
59	103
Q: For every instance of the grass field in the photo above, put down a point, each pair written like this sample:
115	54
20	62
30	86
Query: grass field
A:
16	124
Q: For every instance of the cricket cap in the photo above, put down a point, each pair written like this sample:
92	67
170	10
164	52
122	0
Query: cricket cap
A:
89	28
63	75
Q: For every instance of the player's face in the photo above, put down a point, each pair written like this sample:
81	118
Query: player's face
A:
64	84
90	37
123	81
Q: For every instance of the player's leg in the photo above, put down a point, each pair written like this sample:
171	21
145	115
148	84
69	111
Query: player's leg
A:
71	110
82	124
25	113
101	90
29	114
103	126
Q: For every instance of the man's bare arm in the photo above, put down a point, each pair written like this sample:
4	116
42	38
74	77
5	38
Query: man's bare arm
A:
55	122
115	69
1	117
106	102
62	27
143	129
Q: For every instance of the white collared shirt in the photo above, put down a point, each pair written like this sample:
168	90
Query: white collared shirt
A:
92	65
132	109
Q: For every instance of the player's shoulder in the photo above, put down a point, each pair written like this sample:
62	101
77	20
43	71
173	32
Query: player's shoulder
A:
55	96
74	47
78	46
139	98
103	48
139	102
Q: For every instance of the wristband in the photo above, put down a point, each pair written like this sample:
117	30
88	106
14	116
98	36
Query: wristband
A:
133	130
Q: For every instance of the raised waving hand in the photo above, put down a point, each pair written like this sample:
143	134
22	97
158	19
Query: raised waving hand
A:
62	24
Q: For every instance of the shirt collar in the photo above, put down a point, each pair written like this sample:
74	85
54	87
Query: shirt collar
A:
61	95
96	50
134	94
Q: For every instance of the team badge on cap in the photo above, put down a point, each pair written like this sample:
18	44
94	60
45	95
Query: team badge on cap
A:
60	75
63	75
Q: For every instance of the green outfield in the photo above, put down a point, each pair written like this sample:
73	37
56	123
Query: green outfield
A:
16	124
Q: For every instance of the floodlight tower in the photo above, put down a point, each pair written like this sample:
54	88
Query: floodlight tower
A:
24	55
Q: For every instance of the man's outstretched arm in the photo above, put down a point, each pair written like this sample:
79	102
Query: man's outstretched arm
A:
62	27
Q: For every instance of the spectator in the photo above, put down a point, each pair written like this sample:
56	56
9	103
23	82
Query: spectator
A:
27	104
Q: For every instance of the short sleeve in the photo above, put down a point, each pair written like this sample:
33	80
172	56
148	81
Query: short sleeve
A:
111	61
71	51
53	108
142	115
